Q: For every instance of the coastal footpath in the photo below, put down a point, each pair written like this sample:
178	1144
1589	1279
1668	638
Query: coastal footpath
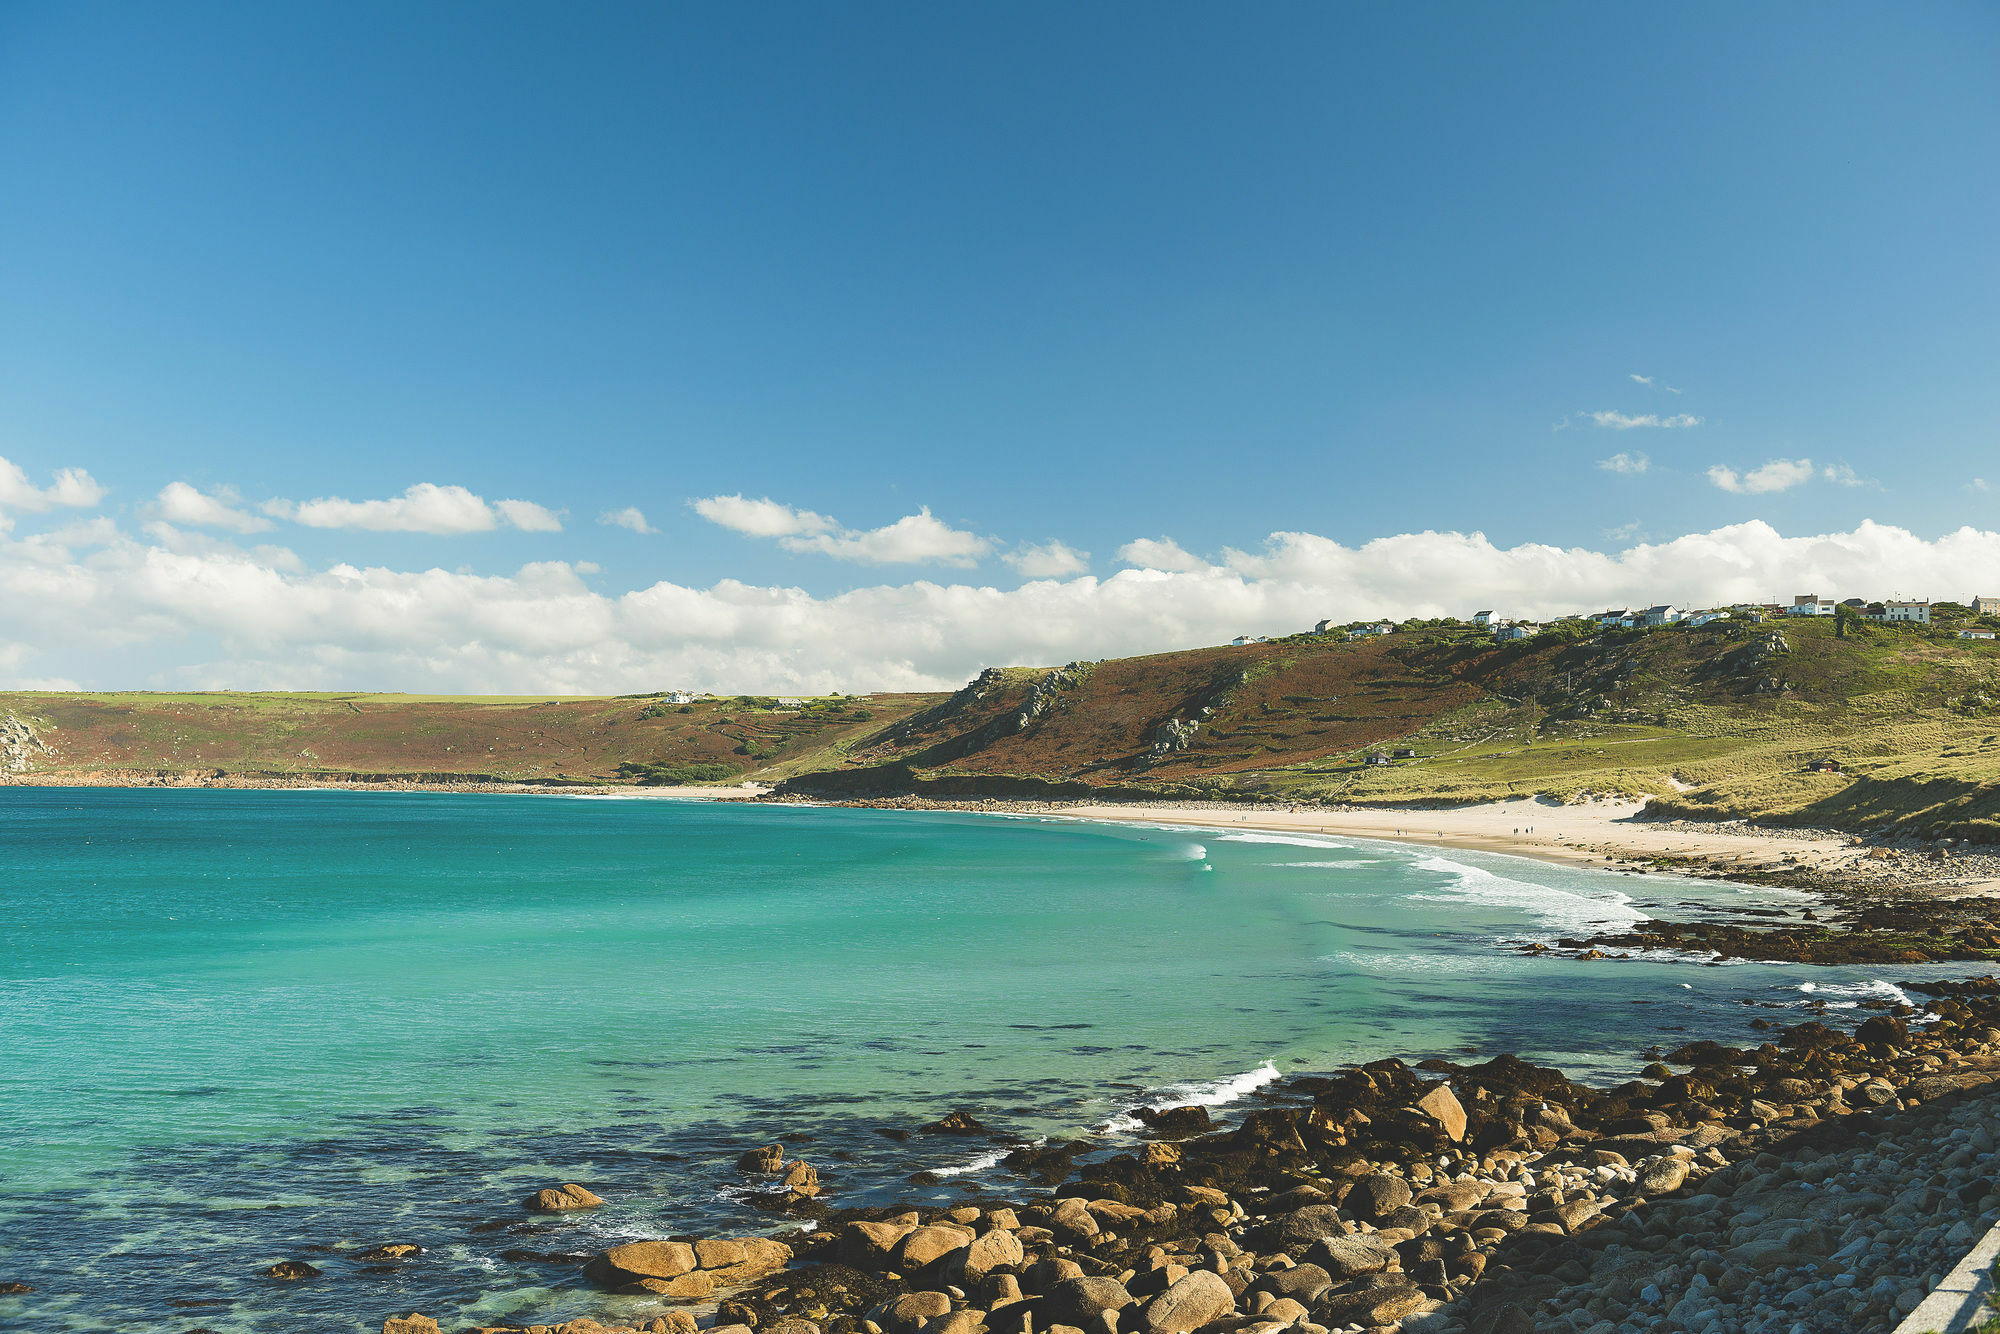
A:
1820	1183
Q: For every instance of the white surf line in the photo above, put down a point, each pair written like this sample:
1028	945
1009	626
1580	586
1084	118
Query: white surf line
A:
1963	1299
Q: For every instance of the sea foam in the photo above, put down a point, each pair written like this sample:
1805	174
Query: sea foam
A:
1197	1093
1557	908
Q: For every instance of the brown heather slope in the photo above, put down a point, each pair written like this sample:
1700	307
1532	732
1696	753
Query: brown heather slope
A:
108	737
1724	721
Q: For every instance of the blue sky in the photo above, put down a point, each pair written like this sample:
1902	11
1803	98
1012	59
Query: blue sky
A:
1084	274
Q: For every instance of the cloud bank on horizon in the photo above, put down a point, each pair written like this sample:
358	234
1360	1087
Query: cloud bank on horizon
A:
87	600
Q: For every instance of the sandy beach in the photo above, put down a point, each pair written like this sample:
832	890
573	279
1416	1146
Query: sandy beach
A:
1594	832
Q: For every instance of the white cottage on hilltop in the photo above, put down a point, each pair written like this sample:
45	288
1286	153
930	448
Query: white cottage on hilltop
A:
1912	612
1811	604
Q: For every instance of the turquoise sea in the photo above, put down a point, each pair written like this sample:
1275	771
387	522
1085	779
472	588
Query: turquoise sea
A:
241	1027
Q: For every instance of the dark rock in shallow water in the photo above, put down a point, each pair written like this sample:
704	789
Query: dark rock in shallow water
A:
561	1199
14	1289
769	1160
291	1269
1178	1122
394	1250
955	1123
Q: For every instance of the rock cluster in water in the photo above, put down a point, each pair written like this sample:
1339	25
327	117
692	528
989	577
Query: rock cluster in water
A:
1816	1183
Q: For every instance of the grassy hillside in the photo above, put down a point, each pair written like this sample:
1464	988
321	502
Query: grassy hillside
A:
1720	721
500	737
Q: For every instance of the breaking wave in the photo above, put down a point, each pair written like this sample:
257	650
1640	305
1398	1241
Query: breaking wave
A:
1199	1093
1557	908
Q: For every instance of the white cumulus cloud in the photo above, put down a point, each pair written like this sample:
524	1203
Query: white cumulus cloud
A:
1160	553
760	518
1629	464
423	508
73	488
630	517
914	539
529	517
1777	475
179	503
1049	560
104	609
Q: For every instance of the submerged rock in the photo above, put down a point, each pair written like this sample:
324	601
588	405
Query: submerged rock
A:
955	1123
291	1269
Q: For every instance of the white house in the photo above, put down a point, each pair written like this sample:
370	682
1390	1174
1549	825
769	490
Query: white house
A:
1660	615
787	702
681	697
1811	604
1323	627
1919	612
1975	634
1380	628
1507	634
1611	620
1482	619
1704	617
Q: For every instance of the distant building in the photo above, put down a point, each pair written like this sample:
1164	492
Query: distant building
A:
1404	754
1660	615
1975	634
681	697
1811	604
1482	619
1704	617
1323	627
1984	606
1507	634
1824	767
1239	641
787	702
1915	612
1379	628
1611	620
1376	759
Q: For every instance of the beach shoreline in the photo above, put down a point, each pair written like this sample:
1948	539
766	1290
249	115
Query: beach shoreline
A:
1604	834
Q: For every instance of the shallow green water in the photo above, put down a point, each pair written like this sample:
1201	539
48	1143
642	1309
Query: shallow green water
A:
240	1026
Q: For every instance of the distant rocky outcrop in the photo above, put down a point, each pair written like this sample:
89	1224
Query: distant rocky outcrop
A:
20	745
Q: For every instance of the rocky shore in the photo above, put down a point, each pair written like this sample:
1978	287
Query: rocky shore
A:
1817	1183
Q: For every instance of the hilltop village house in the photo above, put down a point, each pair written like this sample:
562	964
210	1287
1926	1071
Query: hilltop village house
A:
1505	631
